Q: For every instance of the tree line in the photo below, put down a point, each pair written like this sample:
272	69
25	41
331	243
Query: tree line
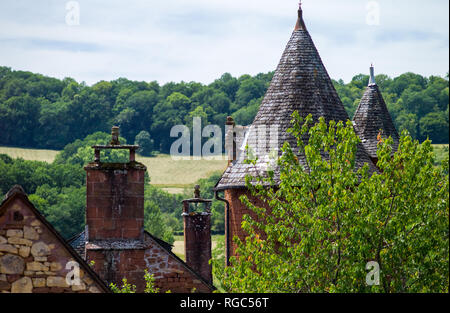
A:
43	112
58	189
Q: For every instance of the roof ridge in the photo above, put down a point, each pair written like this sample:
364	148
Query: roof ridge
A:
16	189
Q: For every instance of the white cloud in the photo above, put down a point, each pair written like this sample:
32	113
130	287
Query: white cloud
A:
198	40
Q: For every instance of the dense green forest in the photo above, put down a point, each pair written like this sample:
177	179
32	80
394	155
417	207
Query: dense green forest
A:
42	112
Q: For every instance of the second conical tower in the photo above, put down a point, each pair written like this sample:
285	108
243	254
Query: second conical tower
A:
372	120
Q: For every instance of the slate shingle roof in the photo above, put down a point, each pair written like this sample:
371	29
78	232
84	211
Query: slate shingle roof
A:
301	83
78	243
372	118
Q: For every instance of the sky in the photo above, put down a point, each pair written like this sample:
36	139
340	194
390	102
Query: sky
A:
199	40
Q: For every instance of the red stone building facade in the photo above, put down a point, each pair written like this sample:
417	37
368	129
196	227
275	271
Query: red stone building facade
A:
115	239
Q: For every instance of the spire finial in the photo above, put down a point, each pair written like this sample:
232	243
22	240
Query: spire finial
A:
372	81
300	23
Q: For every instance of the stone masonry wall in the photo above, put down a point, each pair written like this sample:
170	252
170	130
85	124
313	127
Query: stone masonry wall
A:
115	265
32	259
169	272
114	202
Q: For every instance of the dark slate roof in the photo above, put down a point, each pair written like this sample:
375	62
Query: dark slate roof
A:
18	191
372	118
78	243
300	83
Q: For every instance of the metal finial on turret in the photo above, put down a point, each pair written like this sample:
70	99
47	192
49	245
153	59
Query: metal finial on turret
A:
372	81
300	25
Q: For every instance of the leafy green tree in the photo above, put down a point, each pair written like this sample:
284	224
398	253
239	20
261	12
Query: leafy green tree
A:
129	288
249	89
172	111
324	223
63	208
80	152
246	115
217	210
19	119
154	221
434	126
145	142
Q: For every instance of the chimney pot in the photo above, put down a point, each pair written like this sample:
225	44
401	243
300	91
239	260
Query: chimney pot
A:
115	136
197	235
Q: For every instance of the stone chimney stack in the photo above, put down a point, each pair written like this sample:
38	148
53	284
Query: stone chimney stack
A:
115	214
197	234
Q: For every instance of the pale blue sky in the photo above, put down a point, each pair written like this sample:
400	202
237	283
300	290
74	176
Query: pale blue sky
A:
199	40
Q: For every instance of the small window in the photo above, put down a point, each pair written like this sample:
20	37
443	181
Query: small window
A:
17	216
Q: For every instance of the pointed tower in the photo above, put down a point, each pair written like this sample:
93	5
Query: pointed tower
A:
372	118
300	83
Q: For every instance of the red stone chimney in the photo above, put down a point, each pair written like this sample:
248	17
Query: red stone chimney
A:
197	234
115	215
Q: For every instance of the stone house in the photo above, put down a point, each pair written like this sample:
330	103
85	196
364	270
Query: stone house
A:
34	258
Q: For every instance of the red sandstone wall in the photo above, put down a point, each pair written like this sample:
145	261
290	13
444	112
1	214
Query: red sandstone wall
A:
169	272
114	265
237	211
115	203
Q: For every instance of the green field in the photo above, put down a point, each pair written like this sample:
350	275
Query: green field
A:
172	176
441	152
178	245
30	154
175	175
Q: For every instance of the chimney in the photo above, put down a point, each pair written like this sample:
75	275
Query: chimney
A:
197	234
230	139
114	213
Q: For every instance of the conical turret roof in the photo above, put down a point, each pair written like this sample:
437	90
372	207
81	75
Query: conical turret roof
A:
300	83
372	118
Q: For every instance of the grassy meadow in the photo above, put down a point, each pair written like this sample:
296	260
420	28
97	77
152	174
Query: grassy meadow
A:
30	154
441	151
178	245
175	175
172	176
